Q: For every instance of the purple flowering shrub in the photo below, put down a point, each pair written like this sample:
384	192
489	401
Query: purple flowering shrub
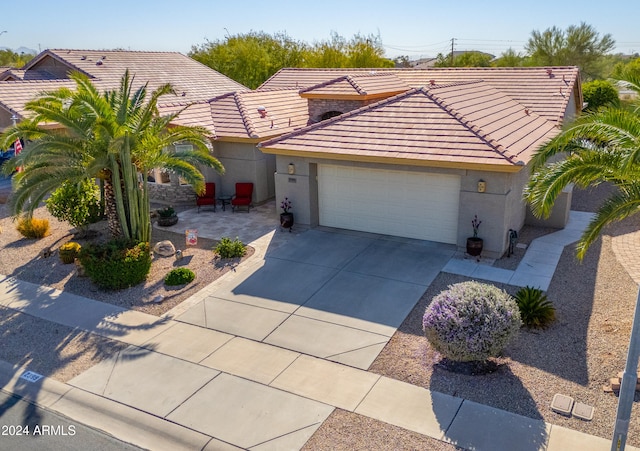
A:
471	321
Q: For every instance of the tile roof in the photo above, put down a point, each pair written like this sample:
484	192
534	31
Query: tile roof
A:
357	86
546	90
195	114
236	115
195	80
450	125
21	74
15	94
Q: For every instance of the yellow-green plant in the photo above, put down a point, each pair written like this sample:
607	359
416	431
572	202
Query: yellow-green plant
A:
69	252
33	228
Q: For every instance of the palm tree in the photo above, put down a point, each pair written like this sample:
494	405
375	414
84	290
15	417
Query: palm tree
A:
117	136
600	147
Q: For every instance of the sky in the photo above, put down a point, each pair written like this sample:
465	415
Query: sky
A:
406	27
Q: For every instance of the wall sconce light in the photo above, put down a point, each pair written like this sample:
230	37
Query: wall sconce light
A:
482	186
292	168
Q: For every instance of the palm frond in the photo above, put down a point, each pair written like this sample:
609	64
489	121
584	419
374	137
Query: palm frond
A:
620	206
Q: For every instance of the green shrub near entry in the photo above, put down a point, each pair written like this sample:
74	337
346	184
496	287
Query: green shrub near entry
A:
116	264
76	203
33	228
69	252
230	249
535	309
471	321
179	276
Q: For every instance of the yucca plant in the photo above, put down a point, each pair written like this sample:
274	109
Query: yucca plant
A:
535	309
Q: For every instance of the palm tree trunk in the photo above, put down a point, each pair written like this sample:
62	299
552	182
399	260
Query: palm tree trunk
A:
110	211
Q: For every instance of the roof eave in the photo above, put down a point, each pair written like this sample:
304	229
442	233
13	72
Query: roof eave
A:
505	167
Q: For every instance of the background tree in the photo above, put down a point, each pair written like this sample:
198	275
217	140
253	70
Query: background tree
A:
579	45
115	136
601	147
471	58
251	58
510	58
598	94
10	58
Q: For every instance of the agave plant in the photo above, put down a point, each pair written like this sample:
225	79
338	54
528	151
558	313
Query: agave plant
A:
535	309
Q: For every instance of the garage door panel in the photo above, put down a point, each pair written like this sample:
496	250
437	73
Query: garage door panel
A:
402	203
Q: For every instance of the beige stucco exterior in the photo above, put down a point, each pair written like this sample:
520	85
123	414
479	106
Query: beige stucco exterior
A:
500	207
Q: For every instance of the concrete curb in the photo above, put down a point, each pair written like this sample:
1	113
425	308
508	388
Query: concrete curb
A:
118	420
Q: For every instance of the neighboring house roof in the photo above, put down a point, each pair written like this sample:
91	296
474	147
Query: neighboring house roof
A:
21	74
357	87
236	115
192	81
15	94
544	90
457	125
188	76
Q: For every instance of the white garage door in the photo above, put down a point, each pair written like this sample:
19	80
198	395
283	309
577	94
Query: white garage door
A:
401	203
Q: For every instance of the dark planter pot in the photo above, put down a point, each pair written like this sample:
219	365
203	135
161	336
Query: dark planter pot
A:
474	246
286	220
166	222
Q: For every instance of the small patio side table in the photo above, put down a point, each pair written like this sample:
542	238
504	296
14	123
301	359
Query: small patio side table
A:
224	201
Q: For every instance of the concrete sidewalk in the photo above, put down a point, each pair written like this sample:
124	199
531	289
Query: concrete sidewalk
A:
221	391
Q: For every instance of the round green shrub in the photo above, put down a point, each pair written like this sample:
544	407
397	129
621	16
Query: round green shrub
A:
116	264
69	252
471	321
179	276
226	248
536	310
76	203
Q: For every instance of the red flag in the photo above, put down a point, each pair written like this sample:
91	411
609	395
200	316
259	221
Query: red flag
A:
17	148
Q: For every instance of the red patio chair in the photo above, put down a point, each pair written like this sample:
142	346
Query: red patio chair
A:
242	197
208	197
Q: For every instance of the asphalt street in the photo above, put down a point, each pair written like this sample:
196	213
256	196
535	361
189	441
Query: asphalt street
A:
26	427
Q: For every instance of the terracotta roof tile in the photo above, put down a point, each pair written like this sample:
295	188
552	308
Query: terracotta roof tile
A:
236	115
14	94
358	86
544	90
195	114
441	123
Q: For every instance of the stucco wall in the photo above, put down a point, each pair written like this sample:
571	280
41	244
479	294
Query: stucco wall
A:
500	207
5	119
243	162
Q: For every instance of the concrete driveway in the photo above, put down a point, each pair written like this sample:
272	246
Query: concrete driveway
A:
332	294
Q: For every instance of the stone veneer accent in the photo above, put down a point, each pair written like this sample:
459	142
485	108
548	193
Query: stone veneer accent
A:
317	107
172	193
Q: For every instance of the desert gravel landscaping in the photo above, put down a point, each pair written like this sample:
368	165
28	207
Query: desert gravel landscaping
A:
20	258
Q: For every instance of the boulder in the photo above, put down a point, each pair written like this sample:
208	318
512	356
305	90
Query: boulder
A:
164	248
